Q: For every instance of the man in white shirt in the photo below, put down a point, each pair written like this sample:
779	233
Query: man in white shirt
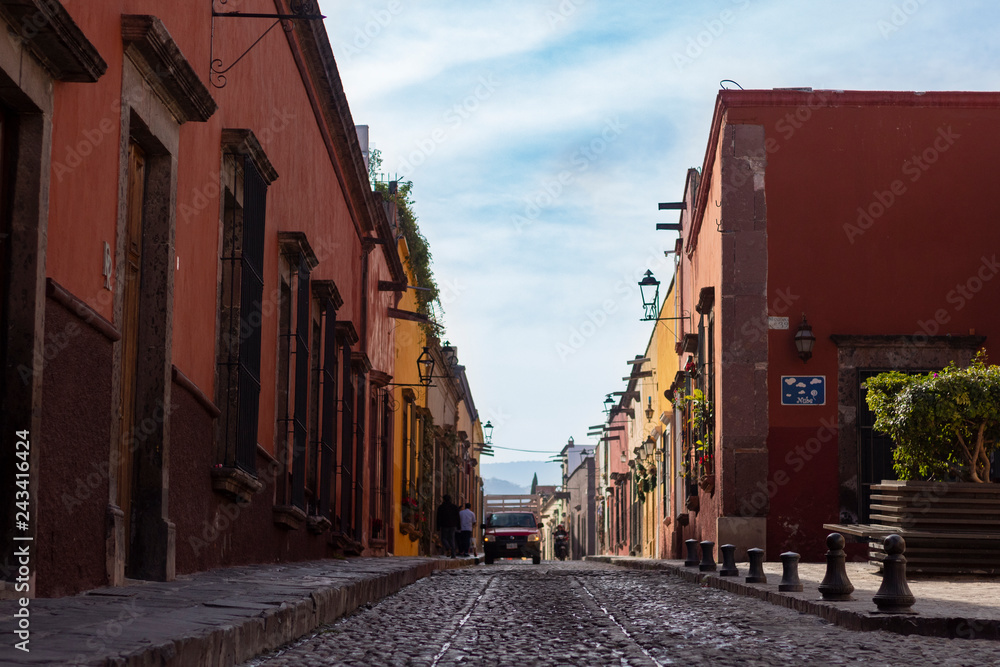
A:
466	520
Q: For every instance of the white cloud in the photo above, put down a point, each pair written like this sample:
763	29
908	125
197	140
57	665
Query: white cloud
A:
522	292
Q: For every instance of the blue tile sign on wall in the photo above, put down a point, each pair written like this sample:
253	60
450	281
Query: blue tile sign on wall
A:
803	390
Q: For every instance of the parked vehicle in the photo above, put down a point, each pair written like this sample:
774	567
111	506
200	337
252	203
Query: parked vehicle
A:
511	535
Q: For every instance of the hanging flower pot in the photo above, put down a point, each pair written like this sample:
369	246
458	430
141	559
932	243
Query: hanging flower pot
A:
692	503
707	483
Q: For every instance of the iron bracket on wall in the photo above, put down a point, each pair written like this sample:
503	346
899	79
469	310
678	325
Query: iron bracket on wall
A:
217	74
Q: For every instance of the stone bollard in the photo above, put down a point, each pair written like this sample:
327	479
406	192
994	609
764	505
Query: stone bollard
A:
729	569
836	586
692	547
894	596
756	574
707	563
790	573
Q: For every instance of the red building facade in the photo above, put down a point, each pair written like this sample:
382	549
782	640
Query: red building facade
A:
196	288
870	215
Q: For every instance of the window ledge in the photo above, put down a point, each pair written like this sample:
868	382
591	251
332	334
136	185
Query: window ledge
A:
348	545
288	516
318	525
235	484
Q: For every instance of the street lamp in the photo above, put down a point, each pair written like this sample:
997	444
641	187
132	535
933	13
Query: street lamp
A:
450	355
488	431
649	409
425	367
804	340
649	290
608	403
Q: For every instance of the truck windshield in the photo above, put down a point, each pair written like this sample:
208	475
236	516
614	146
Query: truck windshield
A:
512	520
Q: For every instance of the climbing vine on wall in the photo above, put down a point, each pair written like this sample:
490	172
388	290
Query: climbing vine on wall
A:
419	260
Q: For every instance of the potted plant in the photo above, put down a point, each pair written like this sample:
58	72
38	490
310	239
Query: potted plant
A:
945	424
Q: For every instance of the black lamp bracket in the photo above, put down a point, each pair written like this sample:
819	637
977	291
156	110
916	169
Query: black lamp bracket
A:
217	74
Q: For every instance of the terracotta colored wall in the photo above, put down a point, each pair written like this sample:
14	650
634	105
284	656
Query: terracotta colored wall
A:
931	231
264	93
704	268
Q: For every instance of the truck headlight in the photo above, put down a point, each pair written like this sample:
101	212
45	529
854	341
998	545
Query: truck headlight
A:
534	538
489	538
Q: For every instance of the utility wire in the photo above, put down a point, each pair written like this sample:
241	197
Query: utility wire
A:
534	451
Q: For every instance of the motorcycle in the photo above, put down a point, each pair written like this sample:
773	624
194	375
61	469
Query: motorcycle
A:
562	546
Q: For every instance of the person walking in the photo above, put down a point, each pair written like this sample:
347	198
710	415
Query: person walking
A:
447	523
466	520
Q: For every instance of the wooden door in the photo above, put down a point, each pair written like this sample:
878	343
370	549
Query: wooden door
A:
131	287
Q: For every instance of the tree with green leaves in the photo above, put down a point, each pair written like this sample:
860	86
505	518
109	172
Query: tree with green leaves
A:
944	424
419	261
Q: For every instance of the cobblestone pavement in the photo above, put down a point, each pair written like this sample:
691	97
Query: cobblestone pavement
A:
573	613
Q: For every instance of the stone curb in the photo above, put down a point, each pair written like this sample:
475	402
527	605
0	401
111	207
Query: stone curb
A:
236	643
931	626
189	625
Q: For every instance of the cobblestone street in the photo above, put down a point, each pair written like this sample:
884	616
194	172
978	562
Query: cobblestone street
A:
575	613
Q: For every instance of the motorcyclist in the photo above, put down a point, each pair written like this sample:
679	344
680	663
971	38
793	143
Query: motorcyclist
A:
561	541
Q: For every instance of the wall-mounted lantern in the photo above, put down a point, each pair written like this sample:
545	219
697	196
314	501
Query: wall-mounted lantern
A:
488	432
649	408
804	340
608	403
649	290
450	354
425	367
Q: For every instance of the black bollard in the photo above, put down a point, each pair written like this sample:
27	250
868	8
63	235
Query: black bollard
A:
756	558
836	585
894	596
707	563
729	569
692	547
790	573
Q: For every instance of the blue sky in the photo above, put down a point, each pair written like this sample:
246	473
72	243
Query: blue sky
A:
540	136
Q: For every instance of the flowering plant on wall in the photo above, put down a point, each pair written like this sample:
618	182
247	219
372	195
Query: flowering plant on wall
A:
703	428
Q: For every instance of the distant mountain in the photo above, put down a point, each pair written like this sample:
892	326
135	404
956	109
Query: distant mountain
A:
501	487
519	474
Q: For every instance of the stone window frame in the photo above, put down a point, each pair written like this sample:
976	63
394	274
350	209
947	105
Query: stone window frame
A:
327	301
854	352
240	150
297	260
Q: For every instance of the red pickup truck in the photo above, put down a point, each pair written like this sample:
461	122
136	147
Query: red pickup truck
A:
511	535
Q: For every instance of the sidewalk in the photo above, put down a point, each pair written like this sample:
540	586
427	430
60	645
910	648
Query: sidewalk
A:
220	617
967	608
